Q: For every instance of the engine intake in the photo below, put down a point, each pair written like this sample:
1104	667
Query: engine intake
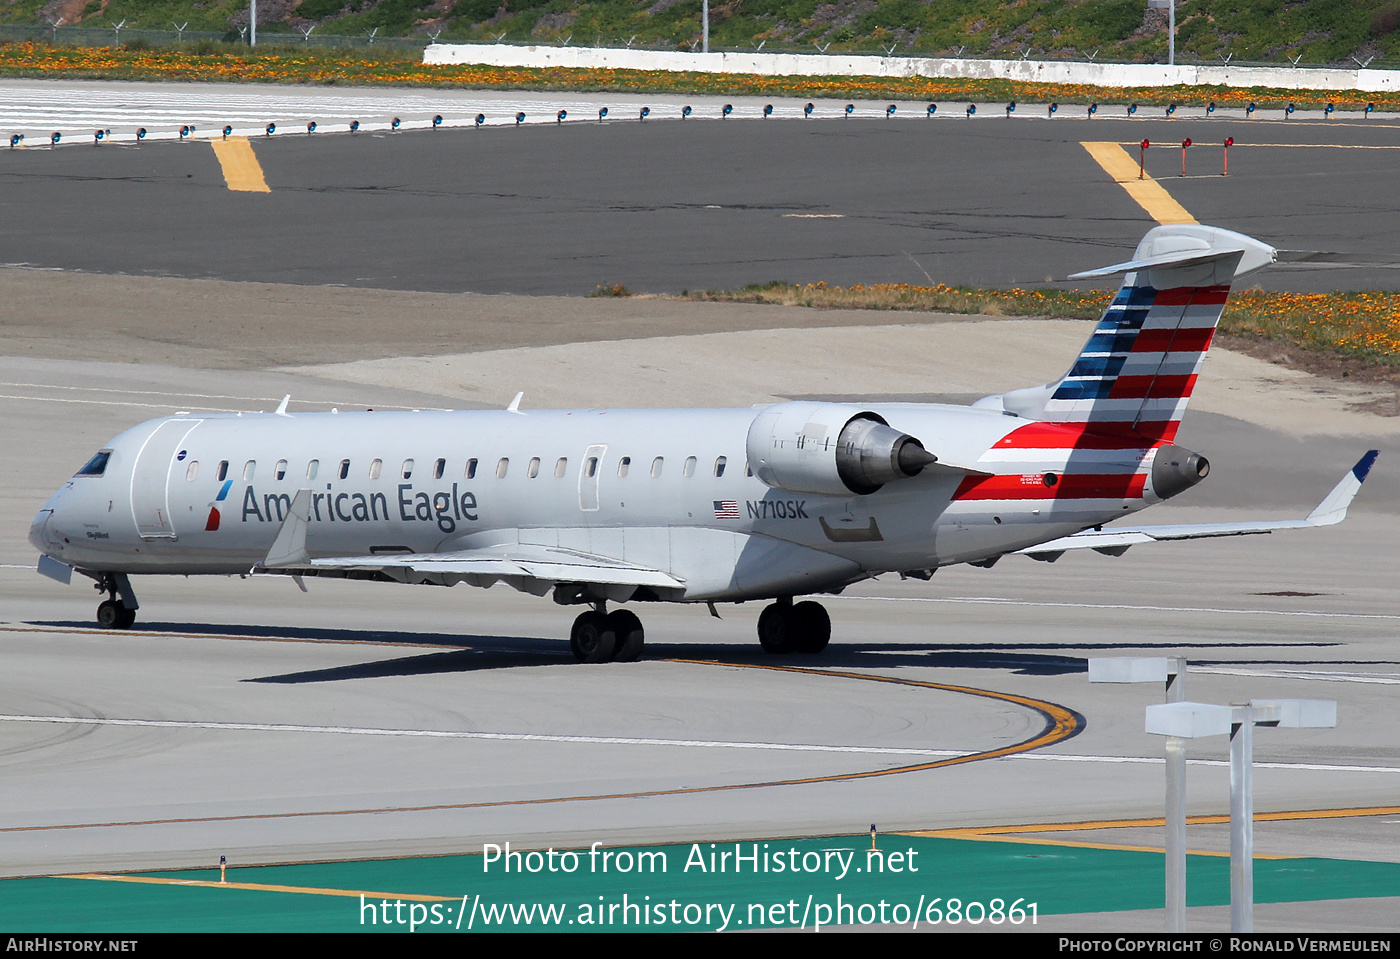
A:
831	448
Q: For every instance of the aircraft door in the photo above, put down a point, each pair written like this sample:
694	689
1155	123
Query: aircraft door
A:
589	474
150	478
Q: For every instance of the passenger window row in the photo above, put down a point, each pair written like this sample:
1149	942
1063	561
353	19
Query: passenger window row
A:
439	469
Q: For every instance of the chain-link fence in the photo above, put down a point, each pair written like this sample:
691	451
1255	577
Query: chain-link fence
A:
111	36
278	36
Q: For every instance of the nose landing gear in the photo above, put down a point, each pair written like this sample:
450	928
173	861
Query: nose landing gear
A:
118	611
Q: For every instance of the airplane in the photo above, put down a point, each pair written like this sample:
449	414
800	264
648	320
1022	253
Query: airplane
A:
603	506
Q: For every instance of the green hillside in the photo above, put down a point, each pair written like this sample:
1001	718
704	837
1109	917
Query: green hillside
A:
1313	31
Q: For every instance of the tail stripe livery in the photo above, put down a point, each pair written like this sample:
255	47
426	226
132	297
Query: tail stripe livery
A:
1127	391
1140	364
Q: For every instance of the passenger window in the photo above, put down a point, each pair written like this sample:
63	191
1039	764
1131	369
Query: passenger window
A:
312	468
408	469
623	464
471	468
748	470
223	468
656	465
502	466
561	467
344	468
439	468
590	467
248	469
719	467
192	470
534	468
375	469
280	470
689	466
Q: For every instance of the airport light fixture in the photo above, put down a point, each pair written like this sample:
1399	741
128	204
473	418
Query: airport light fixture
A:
1287	713
1171	672
1180	721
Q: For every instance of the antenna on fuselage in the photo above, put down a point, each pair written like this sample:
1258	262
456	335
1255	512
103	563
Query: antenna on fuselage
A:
282	407
514	406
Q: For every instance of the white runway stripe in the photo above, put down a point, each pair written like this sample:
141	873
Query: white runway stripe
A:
507	737
630	741
1321	675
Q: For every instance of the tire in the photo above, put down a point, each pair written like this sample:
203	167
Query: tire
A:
631	638
110	614
775	629
813	627
592	638
127	617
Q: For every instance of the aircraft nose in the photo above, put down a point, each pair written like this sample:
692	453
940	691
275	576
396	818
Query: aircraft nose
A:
38	528
42	532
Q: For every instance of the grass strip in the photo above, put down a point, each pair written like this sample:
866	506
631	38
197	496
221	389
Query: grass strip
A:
1364	326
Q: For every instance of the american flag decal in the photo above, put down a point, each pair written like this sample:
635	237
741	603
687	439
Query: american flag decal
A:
726	509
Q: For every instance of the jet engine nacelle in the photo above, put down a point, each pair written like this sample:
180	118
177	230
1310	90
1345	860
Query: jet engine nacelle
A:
830	448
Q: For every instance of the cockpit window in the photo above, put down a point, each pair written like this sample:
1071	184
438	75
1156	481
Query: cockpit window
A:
97	465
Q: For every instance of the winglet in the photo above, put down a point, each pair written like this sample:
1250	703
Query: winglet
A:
1333	509
289	548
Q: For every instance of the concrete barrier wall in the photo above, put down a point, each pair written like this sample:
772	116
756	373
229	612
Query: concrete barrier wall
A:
824	65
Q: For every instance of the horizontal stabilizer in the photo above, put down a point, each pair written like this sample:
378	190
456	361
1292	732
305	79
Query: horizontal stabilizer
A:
1181	245
1332	510
1181	258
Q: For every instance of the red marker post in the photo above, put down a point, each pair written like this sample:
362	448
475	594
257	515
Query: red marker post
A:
1185	144
1142	158
1229	142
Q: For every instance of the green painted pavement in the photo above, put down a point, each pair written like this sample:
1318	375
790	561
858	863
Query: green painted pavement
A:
1058	879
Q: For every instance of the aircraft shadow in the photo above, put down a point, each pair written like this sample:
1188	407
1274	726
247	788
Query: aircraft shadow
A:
501	652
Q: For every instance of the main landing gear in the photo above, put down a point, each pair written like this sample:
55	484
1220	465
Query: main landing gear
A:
118	610
599	636
787	628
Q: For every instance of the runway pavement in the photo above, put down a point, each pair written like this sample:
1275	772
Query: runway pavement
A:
244	718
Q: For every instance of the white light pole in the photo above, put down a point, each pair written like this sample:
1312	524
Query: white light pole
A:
705	26
252	23
1290	714
1172	672
1170	6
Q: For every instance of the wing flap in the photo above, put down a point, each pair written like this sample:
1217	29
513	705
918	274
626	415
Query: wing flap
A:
543	563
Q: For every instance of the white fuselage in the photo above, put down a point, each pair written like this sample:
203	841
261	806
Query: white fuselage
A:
663	489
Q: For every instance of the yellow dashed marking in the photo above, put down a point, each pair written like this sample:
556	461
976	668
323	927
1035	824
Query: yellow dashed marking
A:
261	887
1015	833
1149	194
241	168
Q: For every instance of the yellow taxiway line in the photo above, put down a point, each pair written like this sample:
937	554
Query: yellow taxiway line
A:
241	168
1149	194
262	887
1016	833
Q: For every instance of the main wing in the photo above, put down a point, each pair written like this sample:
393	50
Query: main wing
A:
543	564
1116	540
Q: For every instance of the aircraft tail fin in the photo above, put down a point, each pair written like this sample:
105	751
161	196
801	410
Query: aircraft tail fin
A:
1137	370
